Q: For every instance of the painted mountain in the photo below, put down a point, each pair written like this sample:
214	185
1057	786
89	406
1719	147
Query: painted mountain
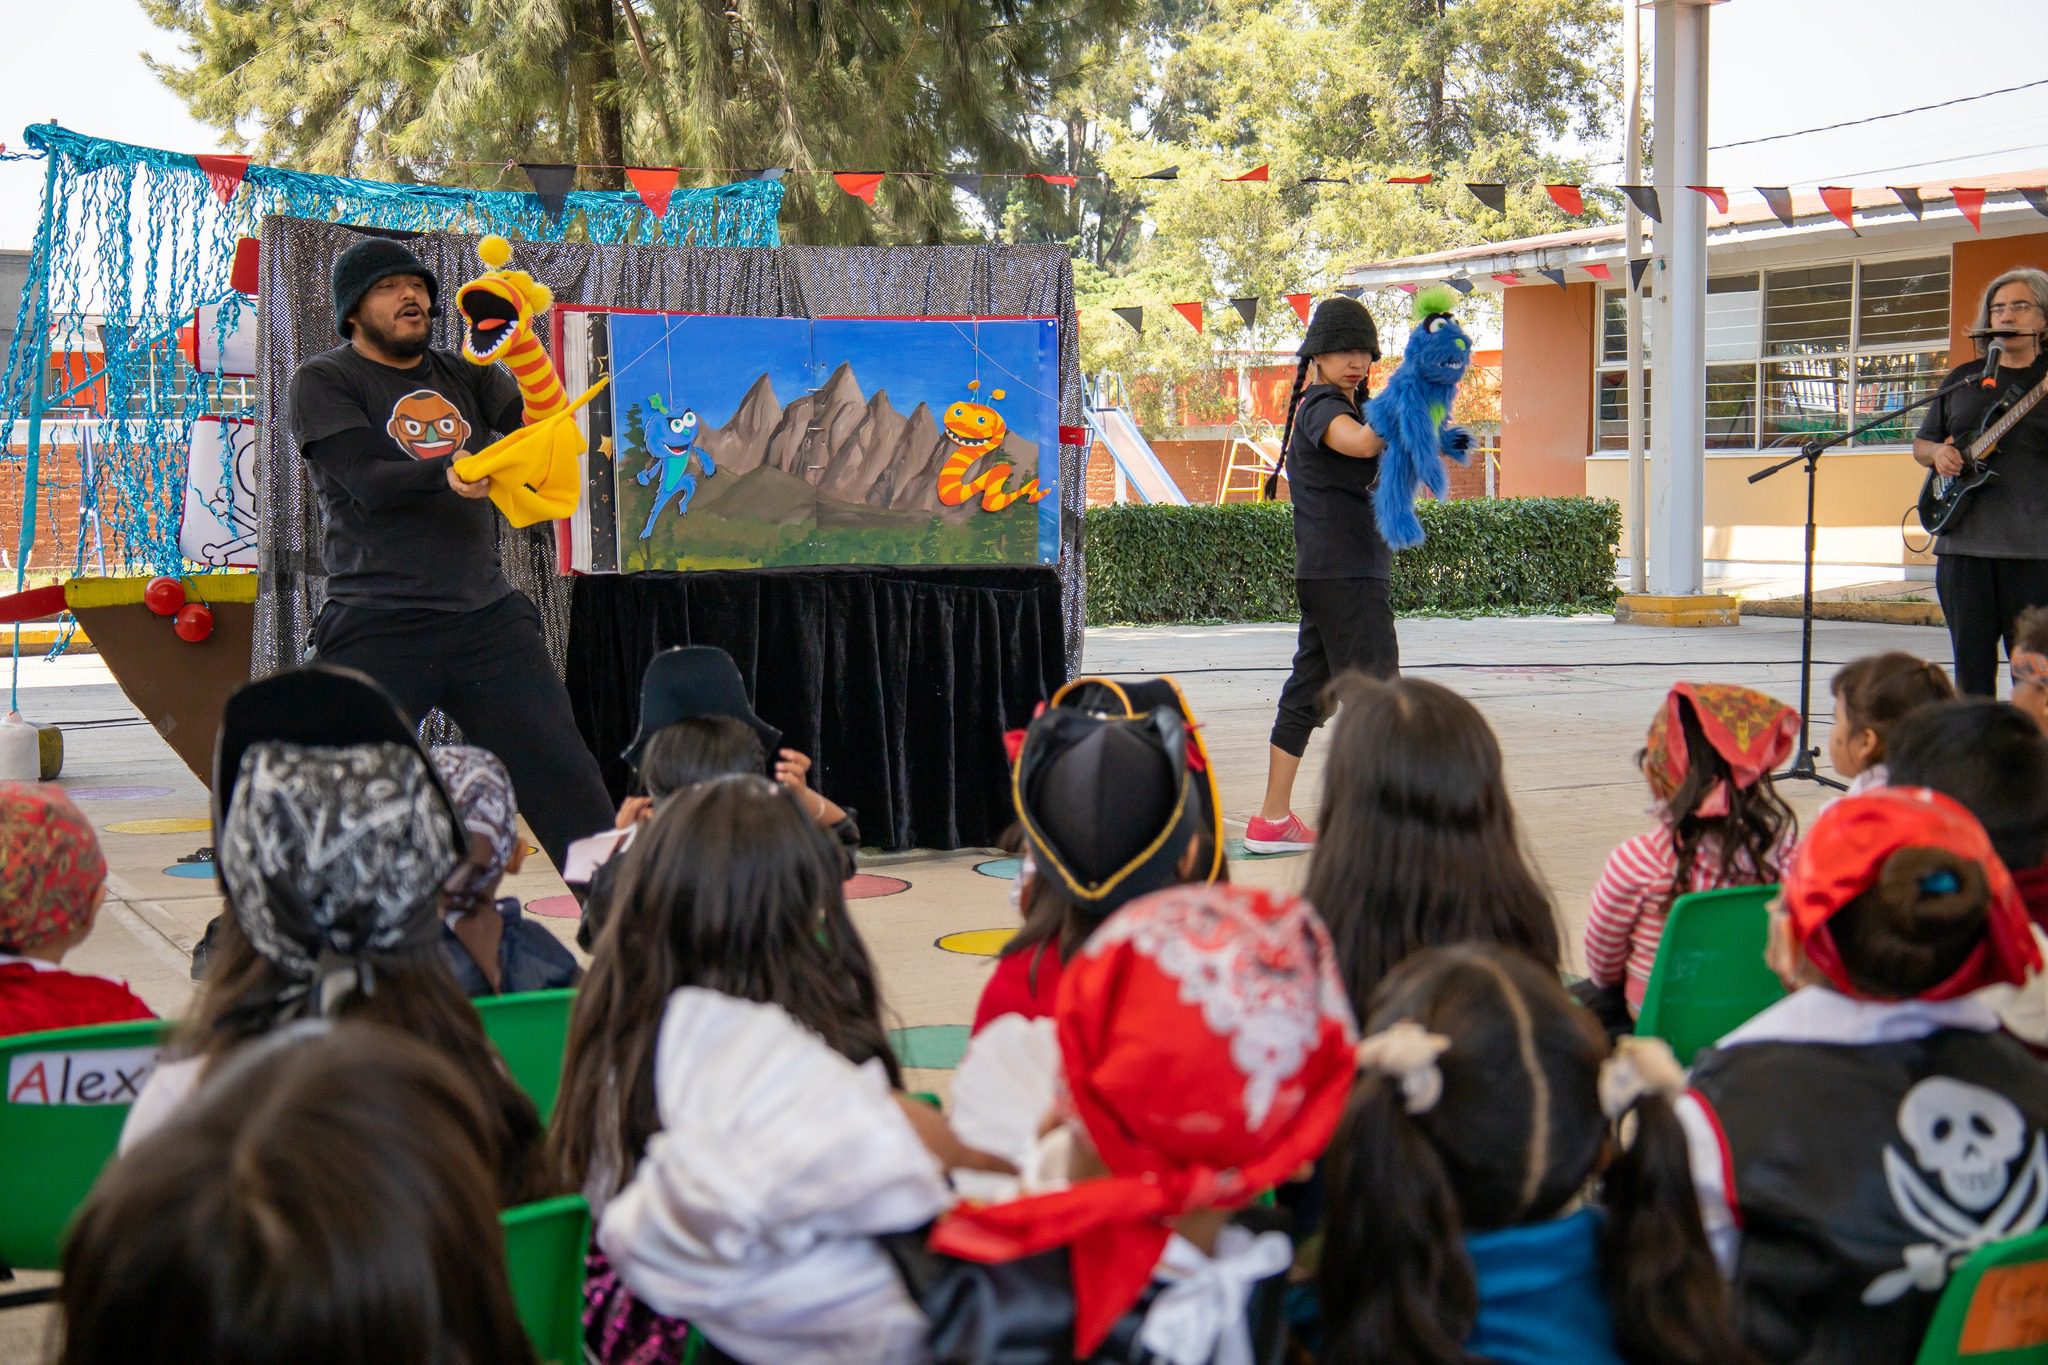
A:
791	461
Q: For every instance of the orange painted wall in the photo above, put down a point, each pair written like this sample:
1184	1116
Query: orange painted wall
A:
1546	397
1975	262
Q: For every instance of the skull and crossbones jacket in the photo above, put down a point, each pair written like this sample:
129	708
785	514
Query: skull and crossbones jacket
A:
1850	1154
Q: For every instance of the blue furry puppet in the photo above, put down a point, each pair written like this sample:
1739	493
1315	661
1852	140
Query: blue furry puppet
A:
1412	415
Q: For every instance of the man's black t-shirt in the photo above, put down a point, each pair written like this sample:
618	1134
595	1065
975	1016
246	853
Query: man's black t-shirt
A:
1335	532
378	441
2008	517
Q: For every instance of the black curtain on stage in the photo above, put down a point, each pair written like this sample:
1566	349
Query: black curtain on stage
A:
898	682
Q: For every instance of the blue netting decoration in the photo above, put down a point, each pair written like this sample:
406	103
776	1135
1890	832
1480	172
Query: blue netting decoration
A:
133	240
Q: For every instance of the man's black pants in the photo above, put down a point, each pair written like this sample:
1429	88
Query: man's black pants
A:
489	671
1982	598
1346	624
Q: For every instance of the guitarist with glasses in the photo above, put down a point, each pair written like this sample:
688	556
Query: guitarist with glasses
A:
1991	557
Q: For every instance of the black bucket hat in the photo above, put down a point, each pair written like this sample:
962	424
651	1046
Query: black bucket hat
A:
1340	324
369	261
692	681
1111	783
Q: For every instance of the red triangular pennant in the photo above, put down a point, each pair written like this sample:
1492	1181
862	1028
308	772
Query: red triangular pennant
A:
1717	196
654	185
1407	288
860	184
1507	277
224	171
1970	200
1841	201
1300	303
1192	312
1411	179
1568	198
1255	173
1067	180
1598	271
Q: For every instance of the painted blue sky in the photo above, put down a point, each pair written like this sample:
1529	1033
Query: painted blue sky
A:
708	363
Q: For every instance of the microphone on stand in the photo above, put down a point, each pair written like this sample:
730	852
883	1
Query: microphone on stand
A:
1992	354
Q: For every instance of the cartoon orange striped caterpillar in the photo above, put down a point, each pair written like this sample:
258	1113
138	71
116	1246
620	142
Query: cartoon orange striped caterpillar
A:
498	308
978	430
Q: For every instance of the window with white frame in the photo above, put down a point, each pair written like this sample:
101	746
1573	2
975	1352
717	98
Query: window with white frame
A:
1798	353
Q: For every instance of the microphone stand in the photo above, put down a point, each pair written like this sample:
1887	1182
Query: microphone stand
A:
1810	452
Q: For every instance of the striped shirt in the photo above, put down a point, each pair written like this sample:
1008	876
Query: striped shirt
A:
1632	898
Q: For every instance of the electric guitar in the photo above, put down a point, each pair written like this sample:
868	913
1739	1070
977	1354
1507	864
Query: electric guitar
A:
1942	498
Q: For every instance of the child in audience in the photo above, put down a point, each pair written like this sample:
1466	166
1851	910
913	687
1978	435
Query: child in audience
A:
1871	695
491	947
1719	823
1488	1109
1994	760
731	888
1853	1143
2029	664
1417	845
53	880
1204	1050
333	862
1116	798
327	1196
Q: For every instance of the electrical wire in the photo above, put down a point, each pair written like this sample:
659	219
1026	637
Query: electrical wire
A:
1879	118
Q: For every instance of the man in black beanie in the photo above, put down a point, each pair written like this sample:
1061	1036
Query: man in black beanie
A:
416	596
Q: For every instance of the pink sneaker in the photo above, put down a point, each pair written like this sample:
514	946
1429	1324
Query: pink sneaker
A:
1278	836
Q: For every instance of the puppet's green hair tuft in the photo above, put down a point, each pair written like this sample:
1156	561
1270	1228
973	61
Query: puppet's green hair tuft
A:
1438	298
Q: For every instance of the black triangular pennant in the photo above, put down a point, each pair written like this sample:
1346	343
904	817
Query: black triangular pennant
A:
552	182
969	181
1164	173
1134	316
1460	283
1779	197
1911	199
1637	268
2037	199
1494	197
1556	277
1644	197
1248	309
1324	180
1352	292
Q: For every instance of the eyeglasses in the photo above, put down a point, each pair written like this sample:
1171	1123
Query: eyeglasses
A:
2021	306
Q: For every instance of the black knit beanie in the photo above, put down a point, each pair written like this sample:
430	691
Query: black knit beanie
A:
369	261
1340	324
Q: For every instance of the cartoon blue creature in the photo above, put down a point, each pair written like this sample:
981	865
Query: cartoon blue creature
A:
676	435
1412	416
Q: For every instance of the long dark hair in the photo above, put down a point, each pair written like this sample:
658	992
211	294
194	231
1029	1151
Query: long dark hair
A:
1417	844
731	887
1294	405
1515	1135
1747	839
325	1198
412	992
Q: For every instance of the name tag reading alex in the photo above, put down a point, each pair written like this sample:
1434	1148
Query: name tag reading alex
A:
112	1076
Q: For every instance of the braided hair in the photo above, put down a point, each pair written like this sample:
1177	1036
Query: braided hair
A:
1287	431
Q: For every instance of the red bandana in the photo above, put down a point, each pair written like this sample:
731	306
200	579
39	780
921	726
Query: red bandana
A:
1844	855
1206	1043
1753	733
50	865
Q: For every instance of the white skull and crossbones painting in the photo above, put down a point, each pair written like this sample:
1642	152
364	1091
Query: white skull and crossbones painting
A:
1993	1184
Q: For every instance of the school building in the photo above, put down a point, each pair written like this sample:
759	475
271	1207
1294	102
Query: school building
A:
1810	326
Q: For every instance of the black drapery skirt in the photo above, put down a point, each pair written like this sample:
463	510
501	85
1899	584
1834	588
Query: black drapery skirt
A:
898	682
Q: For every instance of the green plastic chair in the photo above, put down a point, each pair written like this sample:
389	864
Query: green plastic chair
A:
544	1248
1995	1310
530	1031
68	1093
1710	975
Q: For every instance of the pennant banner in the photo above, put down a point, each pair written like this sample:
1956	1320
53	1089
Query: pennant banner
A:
224	172
771	173
1168	173
1494	197
1460	283
1248	309
1716	196
2037	199
1637	268
860	184
1324	180
551	183
1300	303
1970	202
1506	277
1191	311
1841	202
654	186
1134	316
966	181
1352	291
1556	277
1411	179
1647	203
1255	173
1068	181
1779	197
1598	270
1568	198
1911	199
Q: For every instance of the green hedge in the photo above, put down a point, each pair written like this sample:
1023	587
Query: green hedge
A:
1155	564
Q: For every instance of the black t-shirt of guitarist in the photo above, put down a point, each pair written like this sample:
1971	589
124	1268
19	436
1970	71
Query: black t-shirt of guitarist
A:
2008	517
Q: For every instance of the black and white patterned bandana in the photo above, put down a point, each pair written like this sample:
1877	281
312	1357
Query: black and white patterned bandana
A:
482	792
332	855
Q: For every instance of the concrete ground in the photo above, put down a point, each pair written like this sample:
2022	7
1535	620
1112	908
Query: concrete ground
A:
1569	698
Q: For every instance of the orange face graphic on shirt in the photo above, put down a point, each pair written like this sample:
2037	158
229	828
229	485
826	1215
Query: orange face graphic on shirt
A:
426	425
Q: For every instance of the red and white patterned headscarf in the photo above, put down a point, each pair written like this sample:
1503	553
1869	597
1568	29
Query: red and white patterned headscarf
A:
1751	732
1206	1045
51	866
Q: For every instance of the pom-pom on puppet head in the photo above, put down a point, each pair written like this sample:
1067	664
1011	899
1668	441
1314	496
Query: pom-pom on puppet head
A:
495	250
1438	346
499	305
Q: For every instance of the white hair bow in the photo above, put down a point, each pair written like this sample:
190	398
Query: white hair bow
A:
1638	1067
1407	1052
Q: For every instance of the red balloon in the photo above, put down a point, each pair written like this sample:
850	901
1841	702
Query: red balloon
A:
195	622
164	596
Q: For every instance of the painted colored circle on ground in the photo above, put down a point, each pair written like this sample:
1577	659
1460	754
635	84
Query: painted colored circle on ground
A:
192	824
192	870
1234	848
555	907
938	1047
115	793
868	885
977	942
1005	868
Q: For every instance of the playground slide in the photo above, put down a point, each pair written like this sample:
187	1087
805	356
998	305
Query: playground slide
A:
1134	456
